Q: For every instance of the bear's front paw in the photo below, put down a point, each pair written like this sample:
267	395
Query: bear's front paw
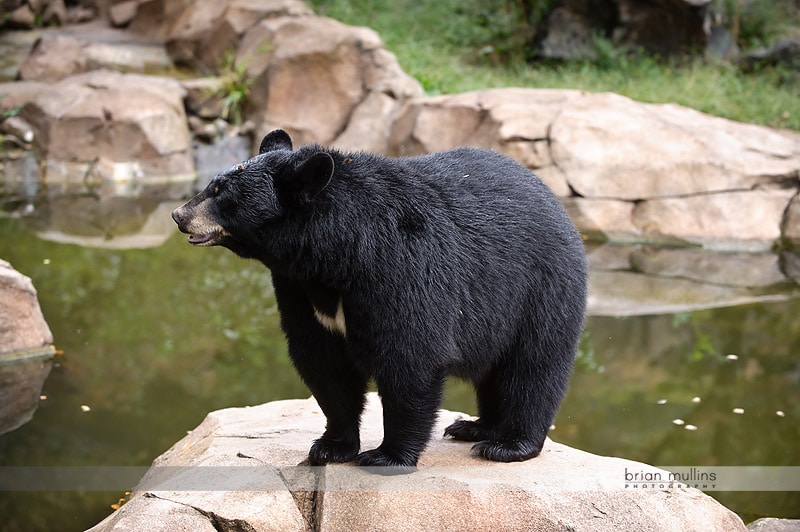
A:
384	464
326	451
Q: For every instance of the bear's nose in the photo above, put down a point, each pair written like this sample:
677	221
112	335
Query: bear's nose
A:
177	216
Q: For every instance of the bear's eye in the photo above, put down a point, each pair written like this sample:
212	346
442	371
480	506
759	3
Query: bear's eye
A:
216	190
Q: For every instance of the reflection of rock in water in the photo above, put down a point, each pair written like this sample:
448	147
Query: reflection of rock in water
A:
21	381
112	222
26	349
642	280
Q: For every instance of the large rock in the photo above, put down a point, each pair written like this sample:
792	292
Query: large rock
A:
750	220
628	171
104	127
613	147
319	79
350	83
237	470
63	52
516	122
203	32
26	348
22	325
664	27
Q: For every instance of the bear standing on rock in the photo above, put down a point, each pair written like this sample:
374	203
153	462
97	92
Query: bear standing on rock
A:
408	270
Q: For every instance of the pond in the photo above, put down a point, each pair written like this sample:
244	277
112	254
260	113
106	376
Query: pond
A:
154	333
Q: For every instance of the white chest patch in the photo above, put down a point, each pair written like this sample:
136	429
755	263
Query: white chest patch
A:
336	323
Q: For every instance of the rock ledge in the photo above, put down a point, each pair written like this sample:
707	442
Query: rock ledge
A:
256	450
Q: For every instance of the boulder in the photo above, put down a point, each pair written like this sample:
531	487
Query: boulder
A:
627	170
516	122
201	33
13	95
749	220
105	127
26	348
772	524
64	52
239	470
785	54
791	226
350	82
27	14
613	147
22	324
663	28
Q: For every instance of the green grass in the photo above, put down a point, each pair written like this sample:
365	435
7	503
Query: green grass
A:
437	43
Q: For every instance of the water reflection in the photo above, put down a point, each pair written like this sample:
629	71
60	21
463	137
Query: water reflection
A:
156	337
22	377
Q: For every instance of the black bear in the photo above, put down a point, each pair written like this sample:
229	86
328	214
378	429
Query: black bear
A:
406	271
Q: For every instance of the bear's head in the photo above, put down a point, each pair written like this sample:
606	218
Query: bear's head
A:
244	207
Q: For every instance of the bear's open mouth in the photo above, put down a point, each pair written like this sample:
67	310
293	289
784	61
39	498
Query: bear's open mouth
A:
207	239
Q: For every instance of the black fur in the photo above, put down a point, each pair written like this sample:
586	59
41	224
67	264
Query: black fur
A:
457	263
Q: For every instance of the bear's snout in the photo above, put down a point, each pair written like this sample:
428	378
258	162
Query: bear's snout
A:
195	222
180	215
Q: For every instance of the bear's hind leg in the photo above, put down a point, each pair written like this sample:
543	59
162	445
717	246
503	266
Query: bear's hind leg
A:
485	427
409	413
523	394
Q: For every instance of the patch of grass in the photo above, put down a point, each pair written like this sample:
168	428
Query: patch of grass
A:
235	89
435	42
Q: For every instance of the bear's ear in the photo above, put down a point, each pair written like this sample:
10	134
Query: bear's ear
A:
275	140
313	175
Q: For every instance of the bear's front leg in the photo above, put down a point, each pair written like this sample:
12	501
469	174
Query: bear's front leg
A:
409	413
319	357
340	391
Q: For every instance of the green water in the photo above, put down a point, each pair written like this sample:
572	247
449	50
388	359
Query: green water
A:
153	339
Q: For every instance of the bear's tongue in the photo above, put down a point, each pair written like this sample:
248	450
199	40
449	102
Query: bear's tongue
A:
200	239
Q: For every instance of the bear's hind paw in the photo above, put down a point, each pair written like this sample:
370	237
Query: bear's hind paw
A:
466	430
507	449
381	463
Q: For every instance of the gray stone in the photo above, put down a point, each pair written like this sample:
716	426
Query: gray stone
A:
22	324
224	151
603	218
54	57
21	17
785	53
750	270
26	348
107	127
748	221
122	13
255	453
791	224
772	524
13	95
570	30
64	52
612	147
340	68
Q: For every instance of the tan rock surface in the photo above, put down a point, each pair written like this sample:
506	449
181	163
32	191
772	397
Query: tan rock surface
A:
257	450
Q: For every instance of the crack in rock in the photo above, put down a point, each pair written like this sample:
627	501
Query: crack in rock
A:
309	503
221	524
